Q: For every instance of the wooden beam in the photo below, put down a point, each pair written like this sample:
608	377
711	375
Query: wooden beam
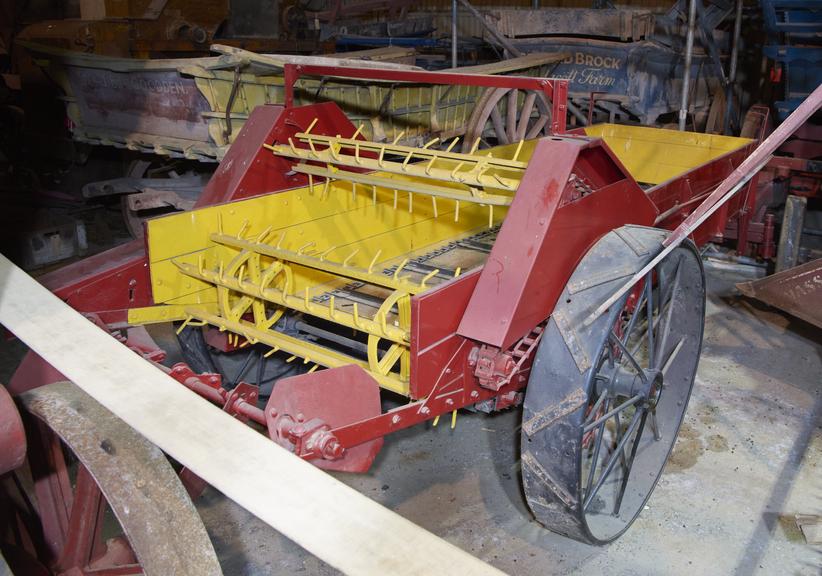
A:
329	519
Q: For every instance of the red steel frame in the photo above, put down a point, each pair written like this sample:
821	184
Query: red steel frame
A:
473	336
556	91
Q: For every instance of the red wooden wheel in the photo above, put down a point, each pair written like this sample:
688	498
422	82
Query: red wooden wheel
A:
96	497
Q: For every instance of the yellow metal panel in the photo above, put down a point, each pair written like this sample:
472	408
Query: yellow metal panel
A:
164	313
654	155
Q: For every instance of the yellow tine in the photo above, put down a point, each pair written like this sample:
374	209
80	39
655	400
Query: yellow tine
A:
453	419
374	260
184	324
456	210
436	421
398	138
357	133
434	204
399	268
350	256
305	247
264	234
272	351
313	368
291	359
517	151
429	276
327	252
475	147
452	144
311	126
430	142
457	271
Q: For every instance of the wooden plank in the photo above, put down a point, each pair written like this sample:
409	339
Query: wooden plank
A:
329	519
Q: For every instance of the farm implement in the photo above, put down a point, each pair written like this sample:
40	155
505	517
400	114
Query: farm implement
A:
330	290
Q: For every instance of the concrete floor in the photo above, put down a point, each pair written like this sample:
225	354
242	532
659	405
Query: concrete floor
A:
748	458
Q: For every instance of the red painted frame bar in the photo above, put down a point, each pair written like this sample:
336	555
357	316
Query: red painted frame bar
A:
556	90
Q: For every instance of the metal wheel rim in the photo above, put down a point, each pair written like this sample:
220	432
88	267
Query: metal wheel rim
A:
556	477
134	478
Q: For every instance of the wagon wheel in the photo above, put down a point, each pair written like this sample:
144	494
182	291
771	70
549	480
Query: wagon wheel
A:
604	403
105	500
513	114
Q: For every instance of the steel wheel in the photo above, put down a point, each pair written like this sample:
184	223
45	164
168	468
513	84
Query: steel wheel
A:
604	403
513	114
100	499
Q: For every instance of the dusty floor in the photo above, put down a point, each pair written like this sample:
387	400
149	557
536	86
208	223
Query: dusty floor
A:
749	457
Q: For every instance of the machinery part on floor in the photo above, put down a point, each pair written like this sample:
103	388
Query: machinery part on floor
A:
308	506
605	401
797	291
12	434
513	115
790	236
86	465
811	527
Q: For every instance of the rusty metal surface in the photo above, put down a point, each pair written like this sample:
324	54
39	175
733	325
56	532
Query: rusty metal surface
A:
797	291
138	482
12	435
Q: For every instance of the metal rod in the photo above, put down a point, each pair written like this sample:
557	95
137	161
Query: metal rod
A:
504	42
758	159
453	33
689	54
729	90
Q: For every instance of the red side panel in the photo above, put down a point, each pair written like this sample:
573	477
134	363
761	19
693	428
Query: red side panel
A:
435	318
248	169
108	283
569	197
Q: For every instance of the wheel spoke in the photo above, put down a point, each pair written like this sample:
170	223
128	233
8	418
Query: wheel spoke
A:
82	526
595	407
655	425
629	356
627	473
632	322
525	115
595	459
649	288
665	327
674	353
621	408
538	126
496	120
612	461
511	120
